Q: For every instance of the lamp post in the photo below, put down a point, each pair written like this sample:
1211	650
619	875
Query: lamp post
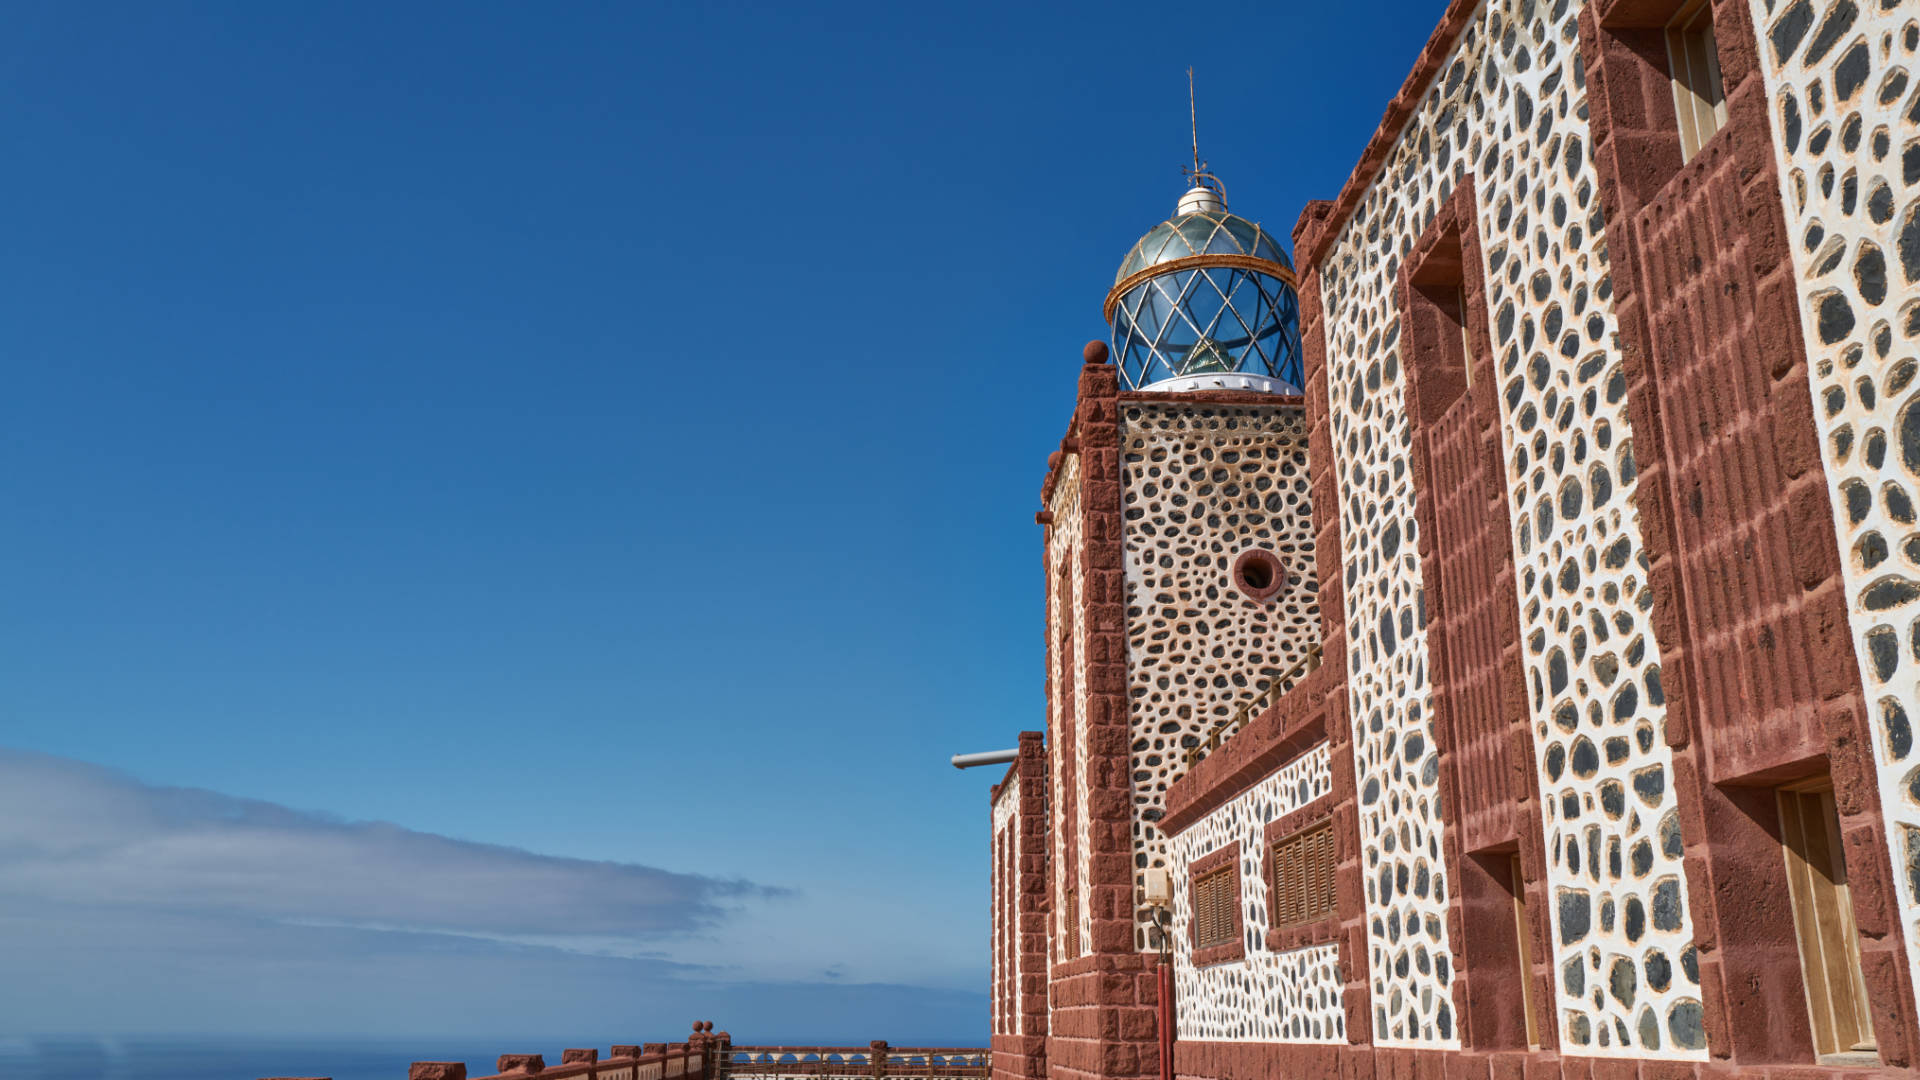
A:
1159	897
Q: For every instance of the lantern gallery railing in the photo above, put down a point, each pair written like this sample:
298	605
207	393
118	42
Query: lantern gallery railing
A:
873	1060
1267	698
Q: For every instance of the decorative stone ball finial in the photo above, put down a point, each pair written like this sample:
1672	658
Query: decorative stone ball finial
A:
1095	352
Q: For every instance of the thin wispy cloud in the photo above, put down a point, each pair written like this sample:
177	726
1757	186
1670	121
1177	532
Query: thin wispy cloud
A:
78	834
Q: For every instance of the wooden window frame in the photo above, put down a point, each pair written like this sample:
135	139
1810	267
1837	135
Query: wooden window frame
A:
1222	861
1693	69
1322	927
1517	884
1825	931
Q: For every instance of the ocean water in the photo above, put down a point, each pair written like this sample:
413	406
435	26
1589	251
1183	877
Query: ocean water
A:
149	1058
156	1058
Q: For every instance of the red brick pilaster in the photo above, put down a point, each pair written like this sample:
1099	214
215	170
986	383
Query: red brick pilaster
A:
1482	722
1023	1056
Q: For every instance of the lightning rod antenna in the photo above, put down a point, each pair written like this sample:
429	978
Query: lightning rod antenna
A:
1193	123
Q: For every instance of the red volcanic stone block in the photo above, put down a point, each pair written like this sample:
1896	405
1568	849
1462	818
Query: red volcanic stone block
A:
568	1057
437	1070
532	1063
1467	1066
623	1050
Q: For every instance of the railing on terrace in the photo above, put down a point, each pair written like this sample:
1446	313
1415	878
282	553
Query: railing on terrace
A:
710	1056
697	1059
1260	703
875	1059
625	1063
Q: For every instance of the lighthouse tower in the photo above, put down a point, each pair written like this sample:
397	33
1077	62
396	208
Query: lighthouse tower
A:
1180	589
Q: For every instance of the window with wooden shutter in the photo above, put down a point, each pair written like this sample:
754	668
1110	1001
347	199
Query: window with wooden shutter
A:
1302	875
1215	897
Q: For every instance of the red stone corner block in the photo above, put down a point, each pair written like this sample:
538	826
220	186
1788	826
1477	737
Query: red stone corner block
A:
531	1063
437	1070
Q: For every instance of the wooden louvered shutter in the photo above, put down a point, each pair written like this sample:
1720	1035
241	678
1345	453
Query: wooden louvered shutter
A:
1213	914
1303	876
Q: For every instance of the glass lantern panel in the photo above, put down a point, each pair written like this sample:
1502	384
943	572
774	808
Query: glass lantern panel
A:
1244	235
1196	230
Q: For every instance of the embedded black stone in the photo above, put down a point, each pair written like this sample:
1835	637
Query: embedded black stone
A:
1790	29
1650	784
1859	501
1576	915
1911	836
1580	1029
1586	761
1626	702
1889	592
1618	553
1870	274
1640	856
1835	317
1670	844
1659	971
1613	799
1838	21
1666	904
1880	203
1683	1023
1850	72
1910	230
1899	732
1883	648
1623	982
1649	1026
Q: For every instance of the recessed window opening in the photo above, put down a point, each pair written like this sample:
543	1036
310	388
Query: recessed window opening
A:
1439	340
1699	99
1302	868
1823	922
1214	897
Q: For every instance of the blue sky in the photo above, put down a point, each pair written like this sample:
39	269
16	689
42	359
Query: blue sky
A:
598	440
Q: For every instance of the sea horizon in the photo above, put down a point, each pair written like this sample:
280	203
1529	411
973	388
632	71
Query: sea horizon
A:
340	1057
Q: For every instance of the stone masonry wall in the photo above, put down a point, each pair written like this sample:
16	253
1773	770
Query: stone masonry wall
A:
1508	105
1204	482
